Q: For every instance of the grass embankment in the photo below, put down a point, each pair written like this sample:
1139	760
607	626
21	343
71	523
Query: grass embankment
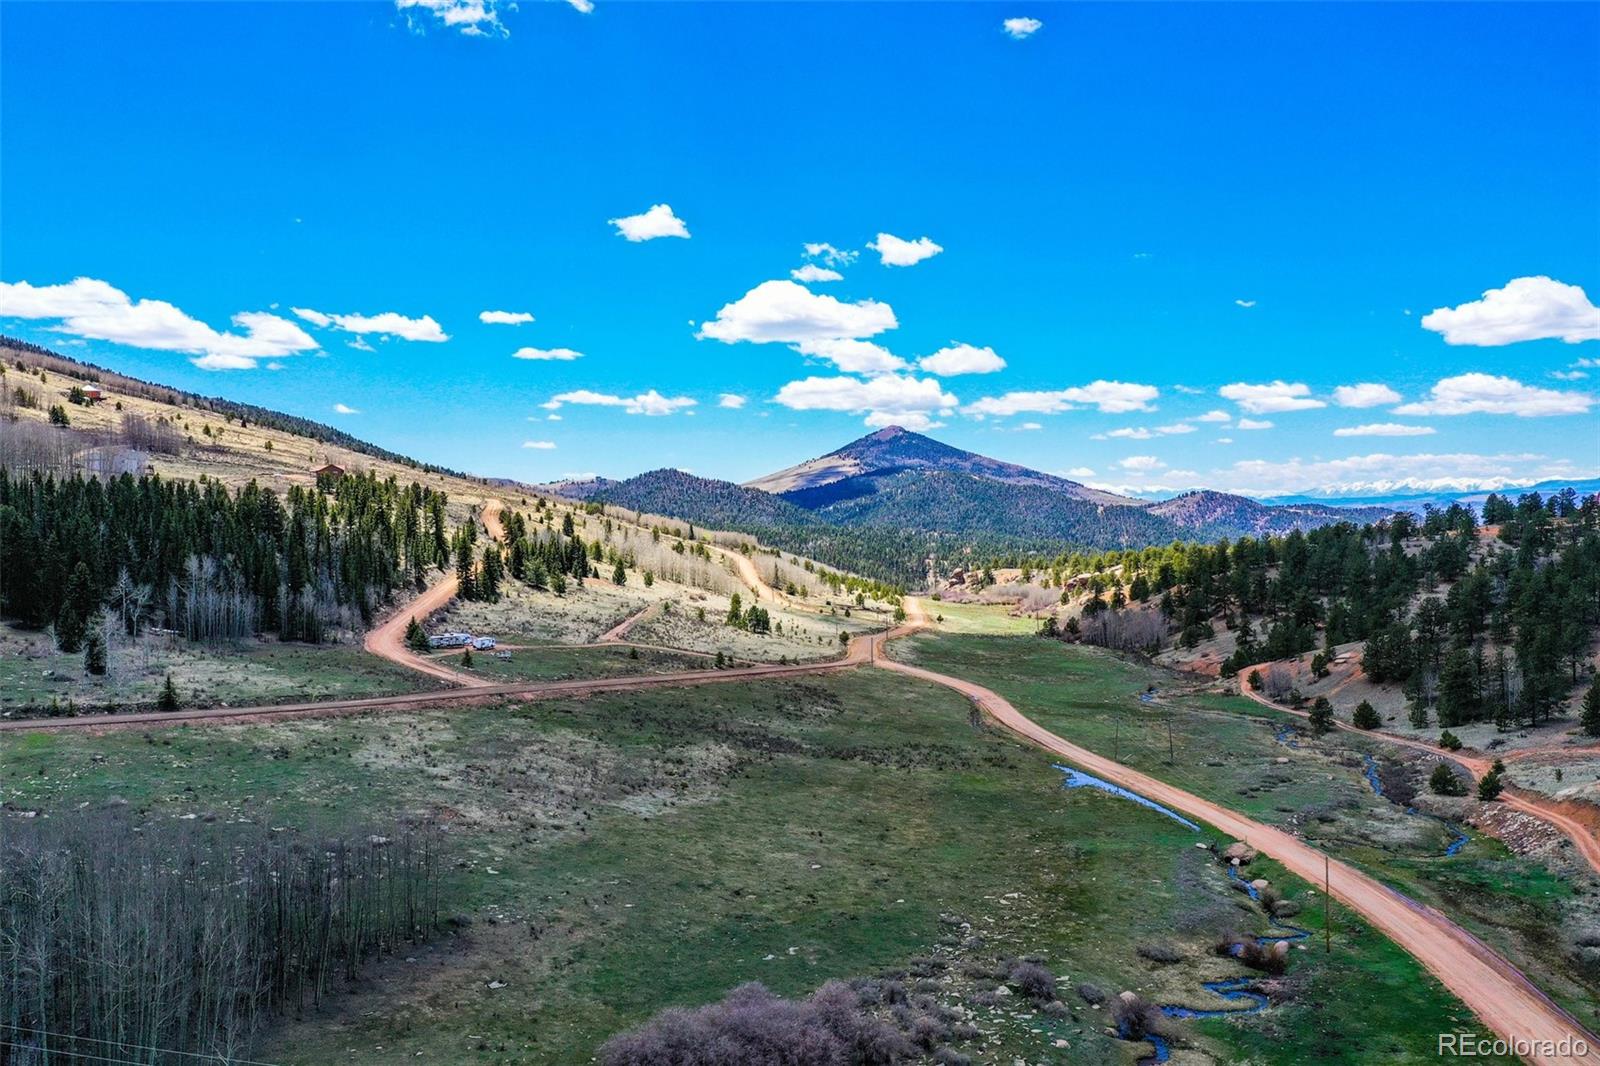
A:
626	853
566	664
1224	749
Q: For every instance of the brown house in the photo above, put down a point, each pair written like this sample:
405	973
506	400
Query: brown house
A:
330	470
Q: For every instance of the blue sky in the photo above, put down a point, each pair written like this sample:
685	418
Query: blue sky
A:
1148	214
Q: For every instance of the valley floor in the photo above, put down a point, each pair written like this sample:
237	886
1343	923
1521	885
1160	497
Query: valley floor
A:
632	851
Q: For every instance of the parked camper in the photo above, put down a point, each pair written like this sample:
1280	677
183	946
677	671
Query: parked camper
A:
483	643
450	640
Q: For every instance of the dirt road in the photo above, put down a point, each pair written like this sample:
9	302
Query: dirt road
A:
1491	987
750	574
1583	837
388	640
615	634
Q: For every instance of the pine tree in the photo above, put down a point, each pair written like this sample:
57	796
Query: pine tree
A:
619	576
416	639
73	620
1590	719
1444	781
735	614
1366	716
1419	715
1321	715
168	700
466	657
1489	788
94	651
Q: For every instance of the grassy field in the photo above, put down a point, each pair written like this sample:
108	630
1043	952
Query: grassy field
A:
1228	749
977	618
34	675
624	853
565	664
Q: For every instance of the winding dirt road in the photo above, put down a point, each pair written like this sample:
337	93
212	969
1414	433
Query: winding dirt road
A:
1490	986
1583	837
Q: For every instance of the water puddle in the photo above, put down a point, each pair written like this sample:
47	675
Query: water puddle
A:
1078	779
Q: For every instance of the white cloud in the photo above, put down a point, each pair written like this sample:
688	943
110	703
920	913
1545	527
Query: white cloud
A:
1384	429
1030	426
1111	397
87	307
1080	471
1365	394
1270	398
731	400
1224	440
791	313
1569	375
547	418
917	421
1215	416
659	221
388	323
1125	433
474	18
646	403
895	252
1140	462
1467	394
504	318
584	7
1527	309
830	256
812	272
1245	303
1019	29
1175	429
345	409
561	355
960	358
853	356
541	445
886	400
1252	423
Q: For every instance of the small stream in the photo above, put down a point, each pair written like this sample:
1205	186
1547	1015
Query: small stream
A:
1370	772
1234	989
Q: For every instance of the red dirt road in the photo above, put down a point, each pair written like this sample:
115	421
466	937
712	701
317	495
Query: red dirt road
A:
1491	987
1582	835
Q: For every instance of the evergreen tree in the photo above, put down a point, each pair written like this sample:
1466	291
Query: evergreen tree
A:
619	575
1490	787
466	658
1366	716
73	619
1419	715
168	700
94	651
735	613
1321	715
1444	782
416	639
1590	718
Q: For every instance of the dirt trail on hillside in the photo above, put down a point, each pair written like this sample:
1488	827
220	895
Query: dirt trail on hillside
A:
615	634
388	640
1582	835
1491	987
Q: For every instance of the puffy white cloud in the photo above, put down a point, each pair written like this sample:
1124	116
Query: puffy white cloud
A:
560	355
830	256
1270	398
1111	397
1028	426
659	221
97	310
1569	375
387	323
646	403
1467	394
1365	394
895	252
917	421
473	18
1384	429
504	318
584	7
1080	471
1253	423
1019	29
1215	416
1140	463
731	400
959	358
1527	309
541	445
1245	303
813	273
1125	433
344	409
791	313
886	400
853	356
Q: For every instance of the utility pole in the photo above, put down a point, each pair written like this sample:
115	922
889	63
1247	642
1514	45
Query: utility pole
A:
1327	908
1118	748
1171	757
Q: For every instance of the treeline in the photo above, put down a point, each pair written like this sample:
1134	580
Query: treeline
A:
162	941
210	563
25	356
1501	633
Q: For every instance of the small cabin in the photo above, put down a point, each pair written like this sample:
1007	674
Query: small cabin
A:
329	470
93	393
